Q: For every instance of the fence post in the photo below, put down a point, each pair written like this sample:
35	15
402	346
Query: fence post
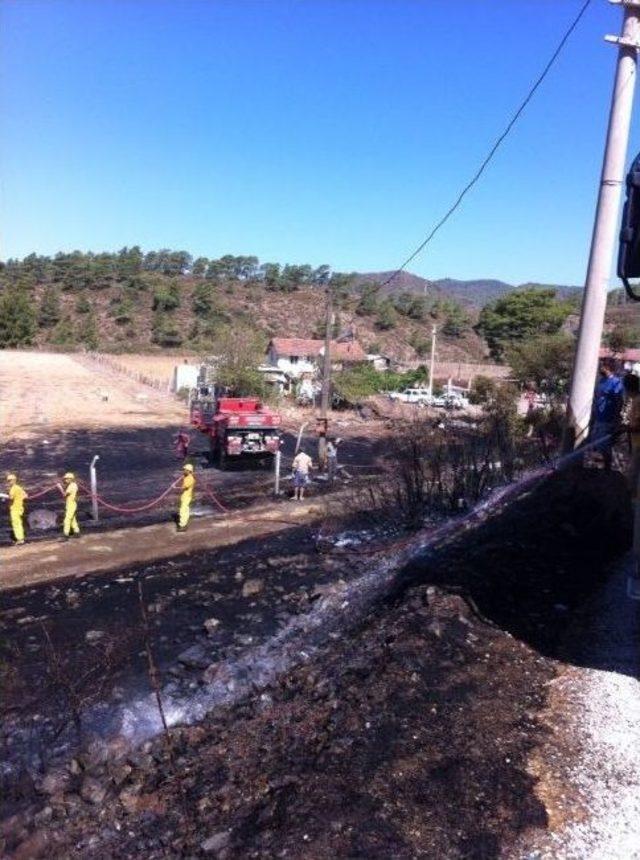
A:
276	464
94	488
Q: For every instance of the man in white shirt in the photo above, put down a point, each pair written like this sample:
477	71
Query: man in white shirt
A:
301	464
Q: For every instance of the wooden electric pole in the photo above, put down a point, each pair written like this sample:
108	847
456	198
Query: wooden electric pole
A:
326	381
603	242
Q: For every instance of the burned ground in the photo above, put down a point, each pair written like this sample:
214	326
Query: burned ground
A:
408	738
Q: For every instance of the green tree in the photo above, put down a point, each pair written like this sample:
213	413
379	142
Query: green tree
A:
88	330
620	338
545	361
203	300
199	267
238	353
49	313
167	298
17	318
519	315
64	334
369	297
456	320
387	316
165	331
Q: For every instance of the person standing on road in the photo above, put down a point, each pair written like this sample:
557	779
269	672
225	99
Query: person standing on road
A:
186	497
301	465
607	409
16	495
70	492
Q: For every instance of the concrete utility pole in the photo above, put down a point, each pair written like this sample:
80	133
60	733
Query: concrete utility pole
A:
603	242
326	381
433	360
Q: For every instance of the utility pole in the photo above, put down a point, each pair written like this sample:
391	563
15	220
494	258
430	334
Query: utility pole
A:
603	242
433	360
326	381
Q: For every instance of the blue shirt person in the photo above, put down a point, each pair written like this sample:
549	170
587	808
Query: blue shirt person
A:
607	408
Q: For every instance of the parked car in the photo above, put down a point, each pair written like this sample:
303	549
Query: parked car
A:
418	396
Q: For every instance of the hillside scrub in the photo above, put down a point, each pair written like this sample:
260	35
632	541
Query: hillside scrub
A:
166	298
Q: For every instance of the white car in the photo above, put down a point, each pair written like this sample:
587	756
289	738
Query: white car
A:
417	396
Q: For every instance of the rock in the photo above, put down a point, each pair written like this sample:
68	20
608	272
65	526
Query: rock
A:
42	519
194	657
55	782
211	624
36	845
93	636
216	843
128	797
92	791
73	598
252	586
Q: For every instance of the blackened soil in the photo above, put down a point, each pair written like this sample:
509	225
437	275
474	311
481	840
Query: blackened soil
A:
407	738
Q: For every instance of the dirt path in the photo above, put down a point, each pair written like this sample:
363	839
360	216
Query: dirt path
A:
49	561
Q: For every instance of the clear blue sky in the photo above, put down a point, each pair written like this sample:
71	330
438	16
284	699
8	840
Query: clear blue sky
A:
304	130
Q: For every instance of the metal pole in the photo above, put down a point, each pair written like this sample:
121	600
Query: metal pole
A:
299	439
94	488
326	380
276	464
594	302
432	362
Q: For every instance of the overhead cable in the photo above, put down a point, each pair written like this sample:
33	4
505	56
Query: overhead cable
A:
496	145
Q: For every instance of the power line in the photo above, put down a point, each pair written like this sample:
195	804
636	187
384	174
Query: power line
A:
495	146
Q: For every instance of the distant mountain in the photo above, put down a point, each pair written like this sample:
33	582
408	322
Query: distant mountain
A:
474	293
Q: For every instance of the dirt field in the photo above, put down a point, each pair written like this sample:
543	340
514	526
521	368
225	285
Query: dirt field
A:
46	392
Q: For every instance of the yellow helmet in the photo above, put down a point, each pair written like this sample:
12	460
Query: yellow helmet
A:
68	476
11	478
187	467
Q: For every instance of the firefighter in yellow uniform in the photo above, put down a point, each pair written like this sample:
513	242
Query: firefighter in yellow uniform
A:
17	497
186	497
70	493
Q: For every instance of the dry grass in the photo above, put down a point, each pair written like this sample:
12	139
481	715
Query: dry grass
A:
44	392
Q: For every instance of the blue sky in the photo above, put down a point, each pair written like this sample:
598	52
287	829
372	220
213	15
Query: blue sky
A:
312	131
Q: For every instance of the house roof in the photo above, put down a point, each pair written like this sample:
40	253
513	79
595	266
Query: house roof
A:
624	355
297	346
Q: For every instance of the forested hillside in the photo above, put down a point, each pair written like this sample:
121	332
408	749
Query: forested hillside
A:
166	299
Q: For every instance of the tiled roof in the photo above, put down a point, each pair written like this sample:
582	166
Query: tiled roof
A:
297	346
624	355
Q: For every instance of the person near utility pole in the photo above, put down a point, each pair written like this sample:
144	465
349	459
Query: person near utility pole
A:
632	391
332	458
186	496
16	496
301	465
607	410
69	490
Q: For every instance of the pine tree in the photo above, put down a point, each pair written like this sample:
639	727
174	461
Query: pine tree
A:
49	313
17	318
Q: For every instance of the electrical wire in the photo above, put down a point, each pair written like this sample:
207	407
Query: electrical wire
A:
516	116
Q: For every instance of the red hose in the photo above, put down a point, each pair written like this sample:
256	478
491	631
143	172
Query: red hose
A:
135	510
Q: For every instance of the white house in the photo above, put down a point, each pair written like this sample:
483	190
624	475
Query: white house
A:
296	356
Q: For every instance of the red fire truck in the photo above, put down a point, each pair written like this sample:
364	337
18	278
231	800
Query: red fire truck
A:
236	426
